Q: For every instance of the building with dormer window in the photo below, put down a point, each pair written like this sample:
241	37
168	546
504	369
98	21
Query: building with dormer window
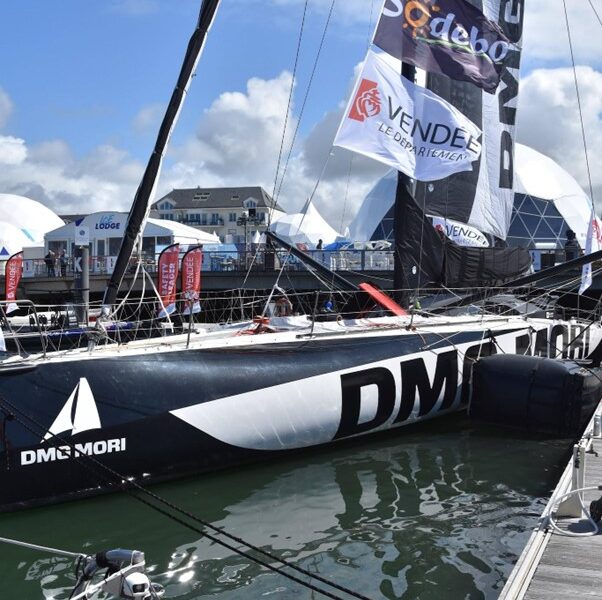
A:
230	213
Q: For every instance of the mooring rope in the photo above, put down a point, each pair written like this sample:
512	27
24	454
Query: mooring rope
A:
131	487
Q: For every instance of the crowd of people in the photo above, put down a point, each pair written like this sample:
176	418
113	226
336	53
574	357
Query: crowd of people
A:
52	262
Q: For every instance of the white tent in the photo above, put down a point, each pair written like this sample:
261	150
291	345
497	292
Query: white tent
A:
306	227
375	206
535	175
540	177
23	222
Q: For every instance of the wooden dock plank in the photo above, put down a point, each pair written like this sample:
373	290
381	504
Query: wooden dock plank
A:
560	566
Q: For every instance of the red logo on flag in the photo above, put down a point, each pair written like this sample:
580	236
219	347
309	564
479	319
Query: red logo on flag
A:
596	231
367	101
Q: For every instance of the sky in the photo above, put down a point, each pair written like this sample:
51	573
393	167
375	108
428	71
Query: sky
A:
83	87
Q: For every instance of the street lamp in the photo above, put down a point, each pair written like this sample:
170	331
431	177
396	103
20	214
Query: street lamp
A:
247	216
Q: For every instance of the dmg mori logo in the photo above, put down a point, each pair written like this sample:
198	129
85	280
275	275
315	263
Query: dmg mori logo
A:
424	390
79	414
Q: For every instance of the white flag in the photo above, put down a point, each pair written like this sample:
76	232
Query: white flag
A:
593	243
406	126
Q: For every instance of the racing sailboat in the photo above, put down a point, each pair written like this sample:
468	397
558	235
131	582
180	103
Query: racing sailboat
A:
87	421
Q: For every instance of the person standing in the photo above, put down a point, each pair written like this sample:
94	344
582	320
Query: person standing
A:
571	247
49	260
63	263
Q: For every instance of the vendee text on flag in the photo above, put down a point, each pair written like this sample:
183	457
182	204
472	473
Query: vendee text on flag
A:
449	37
405	126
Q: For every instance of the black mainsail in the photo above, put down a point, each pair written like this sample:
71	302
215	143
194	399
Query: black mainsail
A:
142	200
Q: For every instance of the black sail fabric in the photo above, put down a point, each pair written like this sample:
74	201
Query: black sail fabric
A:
428	258
483	267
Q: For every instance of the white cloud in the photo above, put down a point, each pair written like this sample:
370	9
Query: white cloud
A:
545	37
6	107
239	136
12	150
548	120
105	179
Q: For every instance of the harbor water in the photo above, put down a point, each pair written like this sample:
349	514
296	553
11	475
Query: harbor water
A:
435	511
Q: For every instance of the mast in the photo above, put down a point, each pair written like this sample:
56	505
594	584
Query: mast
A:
142	200
402	198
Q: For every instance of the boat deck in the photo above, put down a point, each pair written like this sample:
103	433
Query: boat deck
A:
556	565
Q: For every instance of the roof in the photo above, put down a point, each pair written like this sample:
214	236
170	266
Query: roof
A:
224	197
106	224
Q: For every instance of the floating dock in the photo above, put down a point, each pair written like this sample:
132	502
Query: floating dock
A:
563	557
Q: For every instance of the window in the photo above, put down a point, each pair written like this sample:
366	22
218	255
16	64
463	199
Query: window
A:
232	217
203	219
202	196
114	245
163	240
250	203
148	246
100	247
261	217
57	246
214	219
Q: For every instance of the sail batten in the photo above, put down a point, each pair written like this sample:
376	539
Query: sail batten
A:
146	190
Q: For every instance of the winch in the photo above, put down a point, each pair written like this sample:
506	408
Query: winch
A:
125	576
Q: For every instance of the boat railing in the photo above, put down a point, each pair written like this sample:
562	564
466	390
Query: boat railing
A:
9	326
216	260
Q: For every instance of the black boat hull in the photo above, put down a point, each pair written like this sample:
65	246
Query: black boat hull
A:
159	414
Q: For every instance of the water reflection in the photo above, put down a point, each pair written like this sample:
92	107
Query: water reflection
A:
436	511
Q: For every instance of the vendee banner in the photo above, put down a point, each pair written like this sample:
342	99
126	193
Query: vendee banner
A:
405	126
450	37
462	234
191	280
593	243
13	270
168	276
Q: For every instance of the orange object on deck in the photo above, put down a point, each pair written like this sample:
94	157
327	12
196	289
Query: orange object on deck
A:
385	301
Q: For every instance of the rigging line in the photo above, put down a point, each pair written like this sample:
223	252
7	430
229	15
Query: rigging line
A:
568	31
131	487
595	12
288	108
307	91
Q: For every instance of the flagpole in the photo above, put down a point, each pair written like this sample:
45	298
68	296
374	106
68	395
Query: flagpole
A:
402	197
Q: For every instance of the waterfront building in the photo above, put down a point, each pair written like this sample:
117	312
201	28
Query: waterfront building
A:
234	214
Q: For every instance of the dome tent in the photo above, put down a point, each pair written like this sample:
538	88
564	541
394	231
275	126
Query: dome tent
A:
23	222
306	227
547	201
